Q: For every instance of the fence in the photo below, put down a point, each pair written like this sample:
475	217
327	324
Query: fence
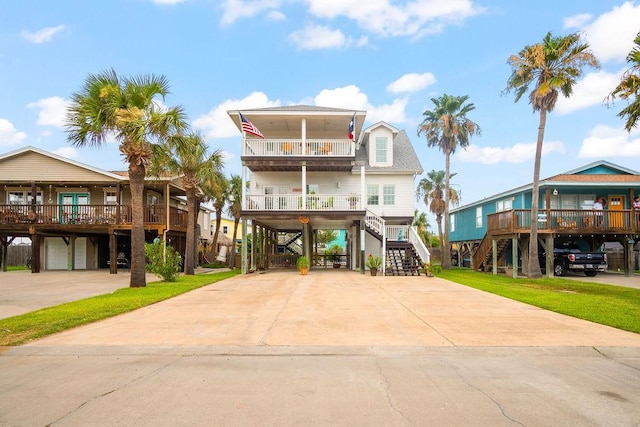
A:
18	254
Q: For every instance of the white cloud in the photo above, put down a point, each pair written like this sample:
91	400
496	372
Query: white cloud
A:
168	1
352	97
53	111
411	82
41	36
217	124
577	21
592	90
233	10
519	153
276	15
314	37
9	135
611	34
604	141
387	18
67	152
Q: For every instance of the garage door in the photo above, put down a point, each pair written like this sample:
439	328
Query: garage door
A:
55	250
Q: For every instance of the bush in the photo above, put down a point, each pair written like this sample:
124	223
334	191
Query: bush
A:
166	267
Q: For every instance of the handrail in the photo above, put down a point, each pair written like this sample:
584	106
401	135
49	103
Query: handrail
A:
418	244
551	220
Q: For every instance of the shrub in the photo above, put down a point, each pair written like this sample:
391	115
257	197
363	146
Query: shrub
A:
166	267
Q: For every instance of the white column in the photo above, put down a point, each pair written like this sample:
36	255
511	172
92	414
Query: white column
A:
304	136
362	188
304	185
244	187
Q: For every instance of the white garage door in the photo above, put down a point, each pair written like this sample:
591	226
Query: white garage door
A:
55	250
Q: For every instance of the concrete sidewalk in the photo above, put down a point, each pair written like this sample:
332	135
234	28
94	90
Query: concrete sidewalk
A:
330	348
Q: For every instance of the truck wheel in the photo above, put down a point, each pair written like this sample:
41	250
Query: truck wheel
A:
590	273
559	269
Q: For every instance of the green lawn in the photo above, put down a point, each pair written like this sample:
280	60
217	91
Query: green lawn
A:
605	304
23	328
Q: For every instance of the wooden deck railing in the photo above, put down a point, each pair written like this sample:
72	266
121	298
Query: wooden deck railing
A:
88	215
561	220
295	147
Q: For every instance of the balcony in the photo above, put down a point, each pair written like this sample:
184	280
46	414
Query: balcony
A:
314	202
86	216
565	221
295	148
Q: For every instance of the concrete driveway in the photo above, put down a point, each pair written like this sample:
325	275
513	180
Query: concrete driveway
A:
332	347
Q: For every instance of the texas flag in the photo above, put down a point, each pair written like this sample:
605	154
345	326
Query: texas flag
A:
352	127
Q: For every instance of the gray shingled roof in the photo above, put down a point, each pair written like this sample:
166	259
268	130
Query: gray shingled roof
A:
405	158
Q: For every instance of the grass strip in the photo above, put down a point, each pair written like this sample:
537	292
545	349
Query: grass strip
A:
609	305
37	324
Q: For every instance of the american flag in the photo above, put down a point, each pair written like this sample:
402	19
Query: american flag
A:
352	127
248	127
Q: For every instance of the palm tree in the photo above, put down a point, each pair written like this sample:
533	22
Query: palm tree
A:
217	189
422	225
447	127
125	108
235	209
432	190
550	67
188	155
629	87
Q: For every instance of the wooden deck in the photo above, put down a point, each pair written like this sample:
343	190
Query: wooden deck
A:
565	221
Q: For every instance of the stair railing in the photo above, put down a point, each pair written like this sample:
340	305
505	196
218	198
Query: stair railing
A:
418	244
376	223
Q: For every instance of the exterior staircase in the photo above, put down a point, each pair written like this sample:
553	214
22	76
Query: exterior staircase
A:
482	258
402	259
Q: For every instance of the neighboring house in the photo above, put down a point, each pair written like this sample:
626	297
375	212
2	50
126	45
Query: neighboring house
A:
78	216
306	174
494	232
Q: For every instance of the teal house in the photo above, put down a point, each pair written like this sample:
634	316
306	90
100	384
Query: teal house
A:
493	233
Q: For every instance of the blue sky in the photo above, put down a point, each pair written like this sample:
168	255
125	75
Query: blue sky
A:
389	57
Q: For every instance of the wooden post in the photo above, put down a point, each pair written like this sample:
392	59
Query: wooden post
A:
113	253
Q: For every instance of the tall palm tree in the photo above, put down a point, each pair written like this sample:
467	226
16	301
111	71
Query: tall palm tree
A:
235	209
126	108
550	67
433	191
629	87
447	127
188	155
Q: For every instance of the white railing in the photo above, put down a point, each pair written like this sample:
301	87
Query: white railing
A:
295	147
375	223
397	233
314	202
418	244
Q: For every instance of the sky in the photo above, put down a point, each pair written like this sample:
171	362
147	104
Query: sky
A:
388	57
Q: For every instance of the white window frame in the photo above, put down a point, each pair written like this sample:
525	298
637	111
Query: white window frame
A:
452	223
388	194
381	154
479	217
373	194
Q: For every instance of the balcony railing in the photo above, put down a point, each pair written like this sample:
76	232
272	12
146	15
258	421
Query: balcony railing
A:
88	215
567	220
289	147
293	202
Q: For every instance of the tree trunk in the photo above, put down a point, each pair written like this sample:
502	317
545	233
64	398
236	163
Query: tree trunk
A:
534	263
189	251
446	252
440	237
232	264
215	236
138	267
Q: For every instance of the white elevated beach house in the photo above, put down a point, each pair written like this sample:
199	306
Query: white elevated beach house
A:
308	168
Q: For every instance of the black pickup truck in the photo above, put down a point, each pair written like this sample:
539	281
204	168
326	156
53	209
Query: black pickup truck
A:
569	257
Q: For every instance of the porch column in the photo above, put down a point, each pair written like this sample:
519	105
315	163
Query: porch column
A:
494	256
304	136
304	185
548	259
244	251
244	194
514	255
254	244
628	256
113	253
35	253
362	188
71	253
363	222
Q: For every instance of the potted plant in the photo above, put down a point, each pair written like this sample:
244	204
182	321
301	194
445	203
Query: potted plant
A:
303	265
373	263
333	254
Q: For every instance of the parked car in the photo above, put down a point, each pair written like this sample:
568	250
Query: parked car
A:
569	257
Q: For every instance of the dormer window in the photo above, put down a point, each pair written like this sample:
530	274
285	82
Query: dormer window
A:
381	149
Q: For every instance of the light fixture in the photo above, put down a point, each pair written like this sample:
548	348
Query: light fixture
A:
555	191
50	199
338	184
